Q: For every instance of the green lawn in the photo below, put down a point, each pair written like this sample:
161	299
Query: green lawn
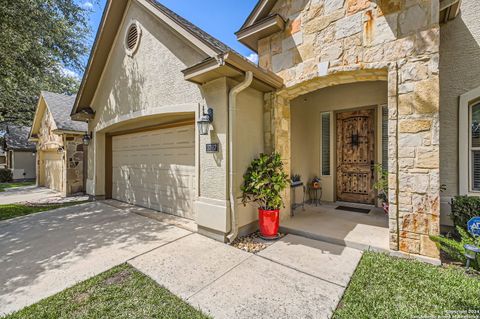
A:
4	186
15	210
388	287
121	292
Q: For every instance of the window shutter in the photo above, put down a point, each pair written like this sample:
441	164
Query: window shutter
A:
476	170
326	144
385	138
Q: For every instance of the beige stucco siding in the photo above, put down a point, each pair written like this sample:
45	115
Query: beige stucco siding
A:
248	140
459	73
144	88
306	127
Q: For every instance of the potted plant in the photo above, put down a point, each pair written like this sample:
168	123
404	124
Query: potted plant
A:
263	184
381	186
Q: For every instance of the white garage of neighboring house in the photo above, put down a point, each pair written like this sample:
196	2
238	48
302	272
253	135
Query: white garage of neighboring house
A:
59	142
20	153
149	78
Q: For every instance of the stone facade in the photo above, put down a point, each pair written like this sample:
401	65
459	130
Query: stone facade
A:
73	159
335	42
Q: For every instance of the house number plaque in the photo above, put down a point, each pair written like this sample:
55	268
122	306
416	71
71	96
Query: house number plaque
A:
212	148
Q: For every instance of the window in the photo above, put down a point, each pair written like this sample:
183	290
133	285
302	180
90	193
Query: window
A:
325	144
469	142
475	147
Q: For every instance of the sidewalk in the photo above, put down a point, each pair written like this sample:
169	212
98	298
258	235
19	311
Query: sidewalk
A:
293	278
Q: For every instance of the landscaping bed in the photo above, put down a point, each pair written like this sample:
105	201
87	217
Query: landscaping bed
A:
389	287
253	243
16	210
121	292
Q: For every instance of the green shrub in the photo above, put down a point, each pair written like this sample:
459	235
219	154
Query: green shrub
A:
454	248
264	182
6	175
463	209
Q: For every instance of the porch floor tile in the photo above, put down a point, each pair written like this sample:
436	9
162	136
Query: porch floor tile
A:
356	230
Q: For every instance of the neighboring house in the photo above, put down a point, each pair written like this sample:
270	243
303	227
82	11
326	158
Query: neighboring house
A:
3	158
341	86
21	154
59	143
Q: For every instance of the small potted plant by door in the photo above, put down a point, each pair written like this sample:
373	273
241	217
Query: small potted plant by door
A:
264	182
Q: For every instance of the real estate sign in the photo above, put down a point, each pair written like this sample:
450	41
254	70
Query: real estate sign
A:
473	226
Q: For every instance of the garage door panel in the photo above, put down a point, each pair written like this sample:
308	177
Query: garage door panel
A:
156	169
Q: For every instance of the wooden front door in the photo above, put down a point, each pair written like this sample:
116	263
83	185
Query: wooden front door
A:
356	156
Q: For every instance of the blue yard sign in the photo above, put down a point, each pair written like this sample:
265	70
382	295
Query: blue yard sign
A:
474	226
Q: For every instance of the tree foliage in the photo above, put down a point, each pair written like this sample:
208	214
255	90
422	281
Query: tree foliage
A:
40	40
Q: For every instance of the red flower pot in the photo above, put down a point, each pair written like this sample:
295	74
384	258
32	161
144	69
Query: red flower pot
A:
268	221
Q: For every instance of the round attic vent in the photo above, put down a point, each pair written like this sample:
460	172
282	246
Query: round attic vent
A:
132	38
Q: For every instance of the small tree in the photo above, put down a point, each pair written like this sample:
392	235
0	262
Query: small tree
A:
264	182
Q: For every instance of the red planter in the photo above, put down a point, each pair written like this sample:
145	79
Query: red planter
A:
268	221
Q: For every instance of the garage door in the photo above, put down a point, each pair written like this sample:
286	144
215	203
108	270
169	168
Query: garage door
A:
53	170
156	169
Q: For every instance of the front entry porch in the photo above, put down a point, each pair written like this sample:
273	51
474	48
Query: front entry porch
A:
340	227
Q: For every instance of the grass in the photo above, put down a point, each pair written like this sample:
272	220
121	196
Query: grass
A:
4	186
388	287
16	210
121	292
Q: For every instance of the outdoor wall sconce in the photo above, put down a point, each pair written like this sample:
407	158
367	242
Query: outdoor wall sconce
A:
87	138
60	150
204	121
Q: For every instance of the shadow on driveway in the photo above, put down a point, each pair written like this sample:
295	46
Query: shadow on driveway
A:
44	253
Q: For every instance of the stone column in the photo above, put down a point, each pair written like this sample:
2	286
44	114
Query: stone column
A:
418	156
280	139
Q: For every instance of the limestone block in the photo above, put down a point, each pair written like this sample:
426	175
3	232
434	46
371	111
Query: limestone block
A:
323	68
427	96
406	104
264	46
349	26
428	247
383	29
353	6
292	41
332	5
332	52
415	126
319	23
409	245
415	223
276	44
282	61
414	72
427	157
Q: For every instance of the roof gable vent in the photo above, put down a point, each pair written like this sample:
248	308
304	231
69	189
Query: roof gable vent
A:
132	37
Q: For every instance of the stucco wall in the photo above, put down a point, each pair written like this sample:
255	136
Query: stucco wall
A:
248	141
306	119
132	88
24	165
459	73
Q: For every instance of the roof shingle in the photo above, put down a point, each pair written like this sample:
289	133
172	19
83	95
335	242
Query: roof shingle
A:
16	138
60	106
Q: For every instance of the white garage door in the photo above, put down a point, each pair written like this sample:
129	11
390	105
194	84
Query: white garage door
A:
53	170
156	169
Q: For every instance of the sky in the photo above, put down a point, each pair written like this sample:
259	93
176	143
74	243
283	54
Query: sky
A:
220	18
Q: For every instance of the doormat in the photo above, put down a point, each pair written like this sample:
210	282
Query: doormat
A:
354	209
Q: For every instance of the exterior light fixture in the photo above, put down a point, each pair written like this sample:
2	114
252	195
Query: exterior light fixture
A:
204	121
60	150
86	139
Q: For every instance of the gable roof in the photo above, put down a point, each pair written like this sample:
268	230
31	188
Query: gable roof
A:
60	106
16	138
108	29
260	11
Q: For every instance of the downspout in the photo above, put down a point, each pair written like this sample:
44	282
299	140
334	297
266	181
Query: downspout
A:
232	102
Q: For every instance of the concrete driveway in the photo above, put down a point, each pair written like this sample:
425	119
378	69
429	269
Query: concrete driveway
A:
44	253
27	194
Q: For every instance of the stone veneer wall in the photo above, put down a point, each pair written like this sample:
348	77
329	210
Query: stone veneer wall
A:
343	41
74	161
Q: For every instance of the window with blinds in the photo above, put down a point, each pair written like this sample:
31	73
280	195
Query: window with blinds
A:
385	138
475	147
325	144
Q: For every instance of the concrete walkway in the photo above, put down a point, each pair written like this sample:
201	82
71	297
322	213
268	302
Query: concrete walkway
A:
36	195
44	253
293	278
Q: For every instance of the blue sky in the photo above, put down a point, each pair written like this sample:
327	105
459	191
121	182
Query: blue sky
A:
220	18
